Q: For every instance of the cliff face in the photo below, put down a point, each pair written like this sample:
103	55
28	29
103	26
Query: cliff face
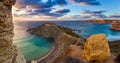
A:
61	39
115	25
97	48
9	53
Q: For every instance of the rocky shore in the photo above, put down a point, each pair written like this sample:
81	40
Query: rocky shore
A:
69	47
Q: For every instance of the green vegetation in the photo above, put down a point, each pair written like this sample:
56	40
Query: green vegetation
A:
69	31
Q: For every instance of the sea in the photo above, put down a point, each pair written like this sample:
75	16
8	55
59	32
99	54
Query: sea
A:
33	47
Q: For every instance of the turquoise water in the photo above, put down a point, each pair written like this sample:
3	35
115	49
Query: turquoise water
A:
31	46
36	46
86	29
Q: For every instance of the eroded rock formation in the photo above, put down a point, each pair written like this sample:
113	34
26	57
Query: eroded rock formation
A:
97	48
115	25
9	53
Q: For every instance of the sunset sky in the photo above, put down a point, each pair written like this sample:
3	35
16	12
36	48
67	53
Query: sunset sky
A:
66	9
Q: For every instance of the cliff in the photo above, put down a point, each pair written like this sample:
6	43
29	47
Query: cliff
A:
97	48
115	25
9	53
61	38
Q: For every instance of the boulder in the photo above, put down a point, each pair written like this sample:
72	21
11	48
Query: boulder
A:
96	48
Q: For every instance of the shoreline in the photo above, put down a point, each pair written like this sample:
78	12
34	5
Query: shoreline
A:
60	40
58	48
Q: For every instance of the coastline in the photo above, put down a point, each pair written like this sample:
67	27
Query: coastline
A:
57	48
62	40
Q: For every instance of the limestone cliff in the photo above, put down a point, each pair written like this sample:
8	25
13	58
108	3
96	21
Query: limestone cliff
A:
62	40
9	53
97	48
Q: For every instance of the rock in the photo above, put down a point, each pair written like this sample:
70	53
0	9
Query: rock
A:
115	25
118	58
33	61
74	54
115	47
70	59
97	48
9	53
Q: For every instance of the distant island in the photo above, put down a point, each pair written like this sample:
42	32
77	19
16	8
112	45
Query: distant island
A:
115	24
68	45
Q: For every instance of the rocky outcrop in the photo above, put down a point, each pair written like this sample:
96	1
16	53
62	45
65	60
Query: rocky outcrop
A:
115	47
62	41
118	58
97	48
74	54
9	53
115	25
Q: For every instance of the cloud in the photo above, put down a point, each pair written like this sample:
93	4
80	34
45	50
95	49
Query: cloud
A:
39	11
94	14
39	3
28	8
114	16
40	8
60	2
85	2
62	11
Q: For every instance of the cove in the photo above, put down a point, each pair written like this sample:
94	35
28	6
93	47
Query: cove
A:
33	46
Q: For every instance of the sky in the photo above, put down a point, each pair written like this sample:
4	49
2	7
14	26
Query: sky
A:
66	9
